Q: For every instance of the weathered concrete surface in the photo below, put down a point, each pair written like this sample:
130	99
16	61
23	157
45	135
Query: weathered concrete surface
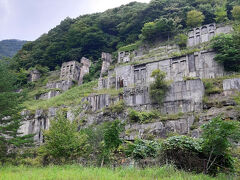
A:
107	60
205	33
36	123
231	86
183	96
34	75
159	129
75	71
100	101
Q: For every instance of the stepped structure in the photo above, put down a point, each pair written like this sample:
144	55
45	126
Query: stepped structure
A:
132	78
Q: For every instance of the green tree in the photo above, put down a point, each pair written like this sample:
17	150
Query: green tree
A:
10	118
111	138
221	14
159	87
236	13
219	137
160	28
195	18
181	40
62	141
227	47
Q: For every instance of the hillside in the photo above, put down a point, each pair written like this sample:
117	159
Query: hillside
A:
89	35
141	85
8	48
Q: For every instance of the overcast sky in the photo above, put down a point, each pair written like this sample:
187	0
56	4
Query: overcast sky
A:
28	19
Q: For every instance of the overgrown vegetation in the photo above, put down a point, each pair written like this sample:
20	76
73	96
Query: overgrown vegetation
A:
89	35
159	87
10	119
150	116
78	172
227	47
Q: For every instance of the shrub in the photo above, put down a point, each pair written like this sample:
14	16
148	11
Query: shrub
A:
142	117
218	137
236	13
227	48
159	88
185	152
140	149
181	40
62	142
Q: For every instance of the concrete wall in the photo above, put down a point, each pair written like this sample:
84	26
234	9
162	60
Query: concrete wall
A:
206	33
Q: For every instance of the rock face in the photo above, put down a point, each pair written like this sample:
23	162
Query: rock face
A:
132	81
35	124
230	86
34	75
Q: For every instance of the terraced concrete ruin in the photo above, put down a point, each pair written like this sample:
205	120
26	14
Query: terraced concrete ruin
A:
132	75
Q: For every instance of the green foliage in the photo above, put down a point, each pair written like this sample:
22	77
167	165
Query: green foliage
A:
141	149
111	135
221	14
142	117
195	18
218	137
94	72
10	118
227	47
184	143
118	173
181	40
115	108
213	86
62	142
236	13
160	28
159	87
130	47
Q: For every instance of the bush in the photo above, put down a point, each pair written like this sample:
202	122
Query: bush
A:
184	152
142	117
62	142
115	108
236	13
227	48
140	149
219	137
181	40
159	88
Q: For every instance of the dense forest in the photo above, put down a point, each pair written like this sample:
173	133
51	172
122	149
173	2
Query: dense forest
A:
89	35
9	48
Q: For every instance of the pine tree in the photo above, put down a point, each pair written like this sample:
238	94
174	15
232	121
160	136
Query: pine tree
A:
10	117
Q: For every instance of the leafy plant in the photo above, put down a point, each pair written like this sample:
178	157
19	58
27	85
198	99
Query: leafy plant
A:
227	47
195	18
159	87
181	40
140	149
218	137
236	13
62	142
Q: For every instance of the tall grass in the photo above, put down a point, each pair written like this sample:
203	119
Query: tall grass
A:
72	172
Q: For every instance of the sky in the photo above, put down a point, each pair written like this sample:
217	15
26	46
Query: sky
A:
29	19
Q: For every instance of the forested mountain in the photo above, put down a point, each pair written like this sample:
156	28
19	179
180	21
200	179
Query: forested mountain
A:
9	48
89	35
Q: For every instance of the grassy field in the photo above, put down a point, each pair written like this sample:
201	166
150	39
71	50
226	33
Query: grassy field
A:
74	172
